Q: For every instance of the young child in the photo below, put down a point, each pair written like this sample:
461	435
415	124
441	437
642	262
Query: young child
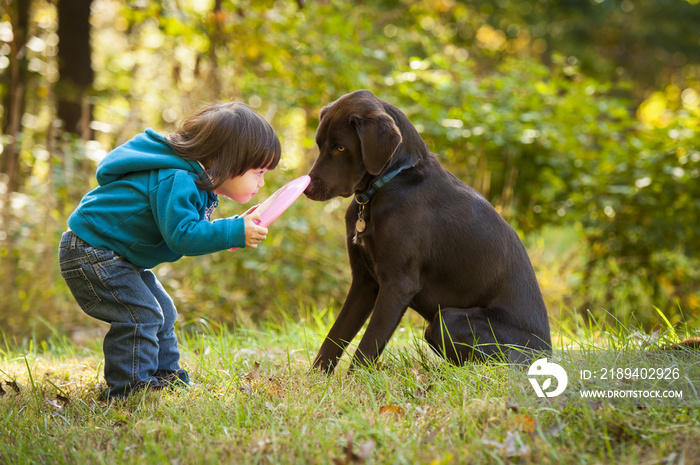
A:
153	204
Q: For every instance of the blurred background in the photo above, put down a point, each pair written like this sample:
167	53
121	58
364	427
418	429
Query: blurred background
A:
578	119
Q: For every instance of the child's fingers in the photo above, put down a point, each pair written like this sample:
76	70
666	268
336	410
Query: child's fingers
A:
254	233
254	216
261	230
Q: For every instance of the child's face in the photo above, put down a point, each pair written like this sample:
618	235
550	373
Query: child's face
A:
244	187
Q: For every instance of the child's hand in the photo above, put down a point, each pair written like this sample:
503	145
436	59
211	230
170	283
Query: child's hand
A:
254	234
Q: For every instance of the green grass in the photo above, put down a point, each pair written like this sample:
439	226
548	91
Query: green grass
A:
255	400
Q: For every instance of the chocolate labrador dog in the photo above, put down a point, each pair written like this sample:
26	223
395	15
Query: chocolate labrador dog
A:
419	237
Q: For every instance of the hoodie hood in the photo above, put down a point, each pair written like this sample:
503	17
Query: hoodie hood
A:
130	158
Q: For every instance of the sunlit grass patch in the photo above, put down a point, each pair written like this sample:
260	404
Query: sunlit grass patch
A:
255	399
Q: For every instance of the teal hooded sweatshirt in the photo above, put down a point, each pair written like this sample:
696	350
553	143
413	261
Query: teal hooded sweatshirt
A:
148	209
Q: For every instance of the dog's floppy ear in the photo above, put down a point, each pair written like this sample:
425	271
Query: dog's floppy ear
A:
324	111
379	137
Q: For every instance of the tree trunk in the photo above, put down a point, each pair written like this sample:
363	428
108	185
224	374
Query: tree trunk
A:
214	42
74	67
14	98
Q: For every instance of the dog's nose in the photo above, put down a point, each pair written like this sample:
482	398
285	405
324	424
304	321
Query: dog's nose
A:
309	189
313	190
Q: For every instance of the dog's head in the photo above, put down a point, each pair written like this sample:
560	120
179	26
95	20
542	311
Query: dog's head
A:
356	136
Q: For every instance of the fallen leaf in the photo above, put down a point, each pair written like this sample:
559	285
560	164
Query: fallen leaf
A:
253	376
254	373
524	423
365	450
514	446
393	409
247	388
511	447
13	385
55	406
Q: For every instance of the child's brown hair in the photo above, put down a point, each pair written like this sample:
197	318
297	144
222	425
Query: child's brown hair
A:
228	139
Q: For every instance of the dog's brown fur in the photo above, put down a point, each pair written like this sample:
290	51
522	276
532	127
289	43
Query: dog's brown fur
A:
431	243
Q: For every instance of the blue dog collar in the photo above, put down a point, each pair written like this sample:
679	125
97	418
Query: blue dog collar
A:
365	197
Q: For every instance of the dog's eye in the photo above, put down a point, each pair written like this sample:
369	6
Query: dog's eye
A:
340	148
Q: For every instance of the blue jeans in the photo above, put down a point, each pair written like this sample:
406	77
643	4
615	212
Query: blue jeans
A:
140	348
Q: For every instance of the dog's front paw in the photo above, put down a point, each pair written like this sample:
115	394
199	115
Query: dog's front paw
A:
324	365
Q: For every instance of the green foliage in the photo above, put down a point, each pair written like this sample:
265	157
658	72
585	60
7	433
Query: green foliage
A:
647	42
643	215
529	114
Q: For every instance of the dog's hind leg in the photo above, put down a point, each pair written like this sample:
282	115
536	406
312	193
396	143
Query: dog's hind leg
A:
467	335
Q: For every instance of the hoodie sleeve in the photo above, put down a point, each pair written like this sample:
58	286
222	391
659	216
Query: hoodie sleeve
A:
178	207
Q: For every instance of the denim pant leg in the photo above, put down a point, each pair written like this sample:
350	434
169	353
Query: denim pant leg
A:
168	353
109	288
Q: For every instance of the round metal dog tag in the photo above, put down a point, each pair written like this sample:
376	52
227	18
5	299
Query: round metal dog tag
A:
360	225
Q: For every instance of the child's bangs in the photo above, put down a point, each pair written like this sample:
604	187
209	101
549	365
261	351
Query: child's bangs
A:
268	155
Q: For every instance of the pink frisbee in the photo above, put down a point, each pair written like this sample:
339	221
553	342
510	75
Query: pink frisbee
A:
277	203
